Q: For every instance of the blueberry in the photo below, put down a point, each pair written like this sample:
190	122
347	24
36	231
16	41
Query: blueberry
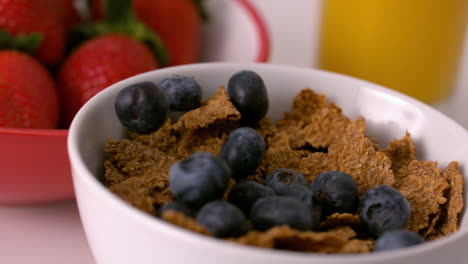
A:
200	178
268	212
243	150
279	179
245	194
396	239
336	191
176	206
384	208
249	95
298	191
303	194
222	219
142	107
184	93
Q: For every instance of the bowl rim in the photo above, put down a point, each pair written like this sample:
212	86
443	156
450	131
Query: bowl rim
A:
157	225
264	45
263	54
57	132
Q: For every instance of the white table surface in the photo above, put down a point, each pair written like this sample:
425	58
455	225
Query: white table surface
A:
52	233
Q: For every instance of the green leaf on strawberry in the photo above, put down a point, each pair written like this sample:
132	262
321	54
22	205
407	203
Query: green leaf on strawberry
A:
23	42
120	19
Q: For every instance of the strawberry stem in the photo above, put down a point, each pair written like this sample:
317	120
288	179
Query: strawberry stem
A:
202	10
119	18
117	10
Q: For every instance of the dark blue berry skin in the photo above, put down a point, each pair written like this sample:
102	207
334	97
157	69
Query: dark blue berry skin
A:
245	194
243	150
397	239
268	212
176	206
384	208
222	219
279	179
142	107
336	191
200	178
248	94
298	191
303	194
184	93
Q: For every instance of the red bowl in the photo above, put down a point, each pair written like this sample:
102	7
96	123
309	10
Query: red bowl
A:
34	165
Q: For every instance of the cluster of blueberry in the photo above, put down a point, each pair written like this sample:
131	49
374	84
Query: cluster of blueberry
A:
199	182
143	107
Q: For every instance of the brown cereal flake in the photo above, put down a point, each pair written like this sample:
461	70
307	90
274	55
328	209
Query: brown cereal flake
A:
401	152
179	219
451	210
217	108
138	173
296	136
423	186
358	246
355	154
199	140
329	125
316	123
113	174
265	127
258	175
315	163
303	105
280	155
286	238
340	219
162	139
134	159
231	184
145	193
314	137
375	142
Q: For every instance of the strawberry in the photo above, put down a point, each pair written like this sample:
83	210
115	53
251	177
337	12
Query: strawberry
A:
98	63
106	52
68	12
28	96
177	22
72	16
38	16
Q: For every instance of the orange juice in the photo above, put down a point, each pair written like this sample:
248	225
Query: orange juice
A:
413	46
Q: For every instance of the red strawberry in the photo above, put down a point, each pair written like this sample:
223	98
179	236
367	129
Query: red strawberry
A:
67	11
177	22
97	64
72	16
40	16
28	96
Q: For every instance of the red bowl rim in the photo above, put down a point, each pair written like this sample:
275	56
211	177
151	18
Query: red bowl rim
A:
262	56
262	32
33	132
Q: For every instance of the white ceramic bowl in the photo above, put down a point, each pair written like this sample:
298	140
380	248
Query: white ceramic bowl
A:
119	233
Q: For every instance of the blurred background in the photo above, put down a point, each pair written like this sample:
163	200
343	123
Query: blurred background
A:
418	47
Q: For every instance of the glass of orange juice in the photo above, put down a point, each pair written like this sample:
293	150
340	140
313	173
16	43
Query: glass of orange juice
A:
413	46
